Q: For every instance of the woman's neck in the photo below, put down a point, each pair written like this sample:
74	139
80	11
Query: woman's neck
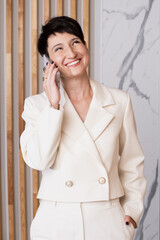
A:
77	88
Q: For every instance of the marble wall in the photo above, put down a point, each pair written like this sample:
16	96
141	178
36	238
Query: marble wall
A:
130	56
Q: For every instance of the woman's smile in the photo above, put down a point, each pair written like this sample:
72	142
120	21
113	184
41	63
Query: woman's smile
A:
73	63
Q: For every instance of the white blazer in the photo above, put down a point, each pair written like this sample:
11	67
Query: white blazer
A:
100	159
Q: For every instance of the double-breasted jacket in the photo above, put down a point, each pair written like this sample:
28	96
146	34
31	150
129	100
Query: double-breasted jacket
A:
98	159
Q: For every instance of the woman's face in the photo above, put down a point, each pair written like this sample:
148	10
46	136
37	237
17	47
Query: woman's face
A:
69	54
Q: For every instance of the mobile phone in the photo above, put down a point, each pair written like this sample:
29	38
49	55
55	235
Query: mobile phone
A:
47	60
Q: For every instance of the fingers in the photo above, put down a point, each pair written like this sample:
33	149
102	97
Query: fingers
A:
50	69
129	220
50	74
50	86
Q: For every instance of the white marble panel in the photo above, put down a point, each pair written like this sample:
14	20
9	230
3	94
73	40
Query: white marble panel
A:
130	61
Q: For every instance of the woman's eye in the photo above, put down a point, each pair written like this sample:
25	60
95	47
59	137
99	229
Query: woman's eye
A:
57	49
76	42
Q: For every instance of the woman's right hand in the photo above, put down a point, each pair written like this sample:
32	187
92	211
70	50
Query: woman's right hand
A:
50	86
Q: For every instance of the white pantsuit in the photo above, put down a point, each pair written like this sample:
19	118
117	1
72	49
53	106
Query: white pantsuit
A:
99	159
101	220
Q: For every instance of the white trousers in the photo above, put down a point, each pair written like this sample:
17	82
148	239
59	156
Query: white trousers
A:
100	220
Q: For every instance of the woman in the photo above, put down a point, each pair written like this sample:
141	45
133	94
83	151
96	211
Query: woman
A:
83	137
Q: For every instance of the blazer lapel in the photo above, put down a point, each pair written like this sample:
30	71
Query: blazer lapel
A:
98	118
72	125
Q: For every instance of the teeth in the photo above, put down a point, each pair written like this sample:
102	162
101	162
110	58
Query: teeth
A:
70	64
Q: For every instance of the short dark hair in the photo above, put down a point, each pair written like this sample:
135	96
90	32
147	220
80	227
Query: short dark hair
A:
55	25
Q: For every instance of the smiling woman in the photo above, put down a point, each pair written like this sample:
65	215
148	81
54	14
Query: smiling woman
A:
83	137
69	53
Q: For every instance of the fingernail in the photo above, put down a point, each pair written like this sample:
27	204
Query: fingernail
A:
52	62
127	223
46	63
56	66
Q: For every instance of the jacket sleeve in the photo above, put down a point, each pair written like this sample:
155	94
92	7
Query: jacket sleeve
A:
40	139
131	166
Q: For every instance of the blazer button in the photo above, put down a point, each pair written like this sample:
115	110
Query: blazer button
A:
101	180
69	183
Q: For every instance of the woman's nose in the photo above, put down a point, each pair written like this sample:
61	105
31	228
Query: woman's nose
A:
71	52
